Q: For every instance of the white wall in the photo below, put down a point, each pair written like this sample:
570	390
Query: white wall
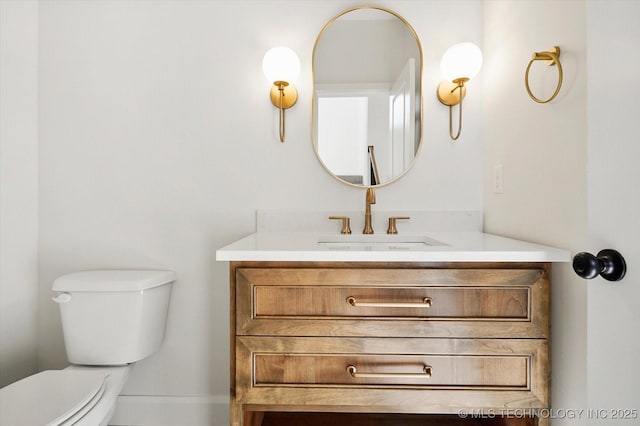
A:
158	142
542	148
18	189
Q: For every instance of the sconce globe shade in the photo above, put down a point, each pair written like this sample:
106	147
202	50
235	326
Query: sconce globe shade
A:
281	64
462	60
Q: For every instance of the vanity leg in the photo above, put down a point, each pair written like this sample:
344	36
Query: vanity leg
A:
235	414
545	421
240	417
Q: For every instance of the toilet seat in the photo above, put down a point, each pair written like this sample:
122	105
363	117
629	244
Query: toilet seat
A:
52	398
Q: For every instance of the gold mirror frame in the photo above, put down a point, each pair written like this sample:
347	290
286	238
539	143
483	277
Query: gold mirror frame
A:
419	105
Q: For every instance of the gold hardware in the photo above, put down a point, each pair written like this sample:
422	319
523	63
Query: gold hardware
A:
460	63
392	223
280	66
370	198
346	228
283	96
451	94
426	303
426	373
552	57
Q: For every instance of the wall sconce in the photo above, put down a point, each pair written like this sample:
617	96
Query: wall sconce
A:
281	66
460	63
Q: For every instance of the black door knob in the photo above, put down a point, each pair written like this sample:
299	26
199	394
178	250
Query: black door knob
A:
609	264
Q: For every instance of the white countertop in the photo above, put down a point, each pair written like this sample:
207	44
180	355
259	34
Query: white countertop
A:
439	247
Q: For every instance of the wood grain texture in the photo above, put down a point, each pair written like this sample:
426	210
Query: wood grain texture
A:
445	371
466	302
486	385
292	334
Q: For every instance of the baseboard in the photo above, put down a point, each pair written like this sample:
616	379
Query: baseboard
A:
142	410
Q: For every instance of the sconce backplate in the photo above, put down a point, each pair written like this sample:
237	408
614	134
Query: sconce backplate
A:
445	94
289	99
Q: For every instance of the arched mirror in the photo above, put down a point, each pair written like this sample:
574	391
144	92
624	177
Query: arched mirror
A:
367	72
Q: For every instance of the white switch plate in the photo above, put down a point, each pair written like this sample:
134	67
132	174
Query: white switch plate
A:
498	179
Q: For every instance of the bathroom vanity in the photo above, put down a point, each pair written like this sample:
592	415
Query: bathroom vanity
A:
417	328
450	328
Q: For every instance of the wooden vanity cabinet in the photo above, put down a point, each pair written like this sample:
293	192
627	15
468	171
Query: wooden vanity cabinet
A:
327	341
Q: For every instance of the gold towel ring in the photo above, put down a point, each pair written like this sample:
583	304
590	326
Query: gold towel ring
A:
553	58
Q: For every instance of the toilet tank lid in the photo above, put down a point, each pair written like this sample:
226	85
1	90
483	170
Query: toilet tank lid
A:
113	280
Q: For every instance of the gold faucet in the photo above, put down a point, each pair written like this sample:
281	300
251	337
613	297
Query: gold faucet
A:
369	199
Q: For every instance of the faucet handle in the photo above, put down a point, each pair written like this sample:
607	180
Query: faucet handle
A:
392	224
346	228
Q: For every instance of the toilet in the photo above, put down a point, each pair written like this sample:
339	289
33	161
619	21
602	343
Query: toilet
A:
110	320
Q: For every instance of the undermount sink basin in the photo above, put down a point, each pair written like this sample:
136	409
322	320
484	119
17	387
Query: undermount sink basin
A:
376	242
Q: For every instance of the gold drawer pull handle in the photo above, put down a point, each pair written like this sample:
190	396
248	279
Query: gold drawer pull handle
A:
353	371
426	303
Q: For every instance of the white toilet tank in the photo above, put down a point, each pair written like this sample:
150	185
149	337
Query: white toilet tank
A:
113	317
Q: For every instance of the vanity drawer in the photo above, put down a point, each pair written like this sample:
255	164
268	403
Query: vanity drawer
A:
400	301
392	302
429	371
314	369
